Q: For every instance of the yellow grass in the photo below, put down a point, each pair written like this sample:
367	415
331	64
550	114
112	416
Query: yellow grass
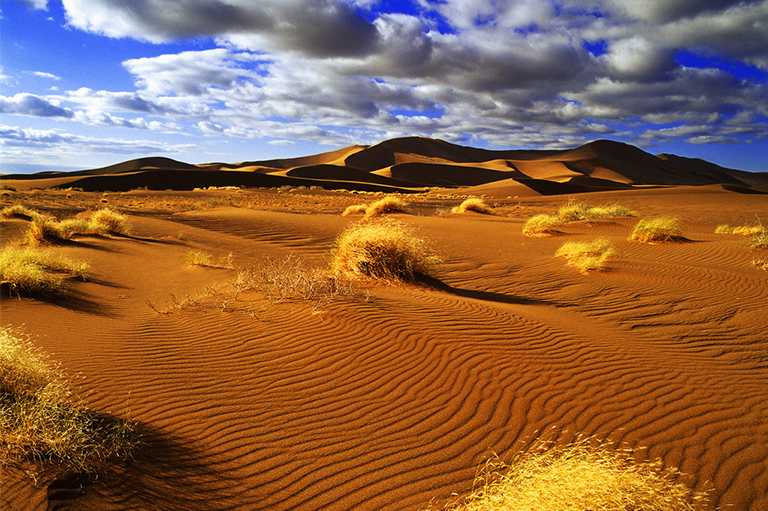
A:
473	204
357	209
17	210
540	225
586	256
744	230
389	204
109	221
385	249
580	211
40	420
30	271
661	229
584	475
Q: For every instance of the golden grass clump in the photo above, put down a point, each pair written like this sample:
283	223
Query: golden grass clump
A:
40	420
574	210
108	220
198	258
30	271
541	225
662	229
356	209
384	249
586	256
473	204
580	476
744	230
18	210
387	205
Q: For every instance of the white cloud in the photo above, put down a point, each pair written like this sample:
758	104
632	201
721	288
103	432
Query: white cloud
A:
42	74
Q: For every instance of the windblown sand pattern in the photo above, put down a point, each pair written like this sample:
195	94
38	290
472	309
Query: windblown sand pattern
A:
388	401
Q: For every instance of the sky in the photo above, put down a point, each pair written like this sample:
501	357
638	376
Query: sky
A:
89	83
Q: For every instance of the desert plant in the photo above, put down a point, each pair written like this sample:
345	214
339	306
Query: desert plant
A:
385	249
586	256
540	225
759	239
723	229
662	229
197	258
41	421
760	264
30	270
473	204
574	210
108	220
356	209
389	204
18	210
579	476
609	211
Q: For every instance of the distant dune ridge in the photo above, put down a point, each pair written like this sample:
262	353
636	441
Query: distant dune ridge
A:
412	163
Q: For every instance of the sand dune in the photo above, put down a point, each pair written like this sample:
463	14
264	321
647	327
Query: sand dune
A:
409	165
391	398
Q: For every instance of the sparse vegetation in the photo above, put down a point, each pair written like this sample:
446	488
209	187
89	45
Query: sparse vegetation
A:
579	476
541	225
108	220
44	228
473	204
195	257
387	205
385	249
657	230
30	271
586	256
744	230
41	421
18	210
574	210
760	264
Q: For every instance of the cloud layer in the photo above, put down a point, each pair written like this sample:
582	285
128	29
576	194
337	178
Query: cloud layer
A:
540	73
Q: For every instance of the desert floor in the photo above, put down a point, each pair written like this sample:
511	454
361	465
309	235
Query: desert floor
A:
393	397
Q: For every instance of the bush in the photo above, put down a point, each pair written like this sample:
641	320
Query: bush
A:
40	421
586	256
573	211
34	271
109	221
579	476
473	204
17	210
389	204
661	229
384	249
540	225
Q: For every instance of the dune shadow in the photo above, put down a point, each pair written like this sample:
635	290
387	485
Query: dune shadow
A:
486	296
68	301
166	473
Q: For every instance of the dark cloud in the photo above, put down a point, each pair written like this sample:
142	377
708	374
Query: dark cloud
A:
29	104
319	28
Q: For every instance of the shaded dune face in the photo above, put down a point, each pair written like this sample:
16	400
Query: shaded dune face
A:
388	402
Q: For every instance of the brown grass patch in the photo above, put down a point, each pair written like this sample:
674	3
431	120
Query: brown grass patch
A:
473	204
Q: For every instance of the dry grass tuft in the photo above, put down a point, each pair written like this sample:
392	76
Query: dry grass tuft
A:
744	230
385	249
17	210
574	210
357	209
108	220
387	205
473	204
580	476
586	256
41	422
541	225
195	257
657	230
31	271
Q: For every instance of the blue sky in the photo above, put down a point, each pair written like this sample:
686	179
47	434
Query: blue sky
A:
87	83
